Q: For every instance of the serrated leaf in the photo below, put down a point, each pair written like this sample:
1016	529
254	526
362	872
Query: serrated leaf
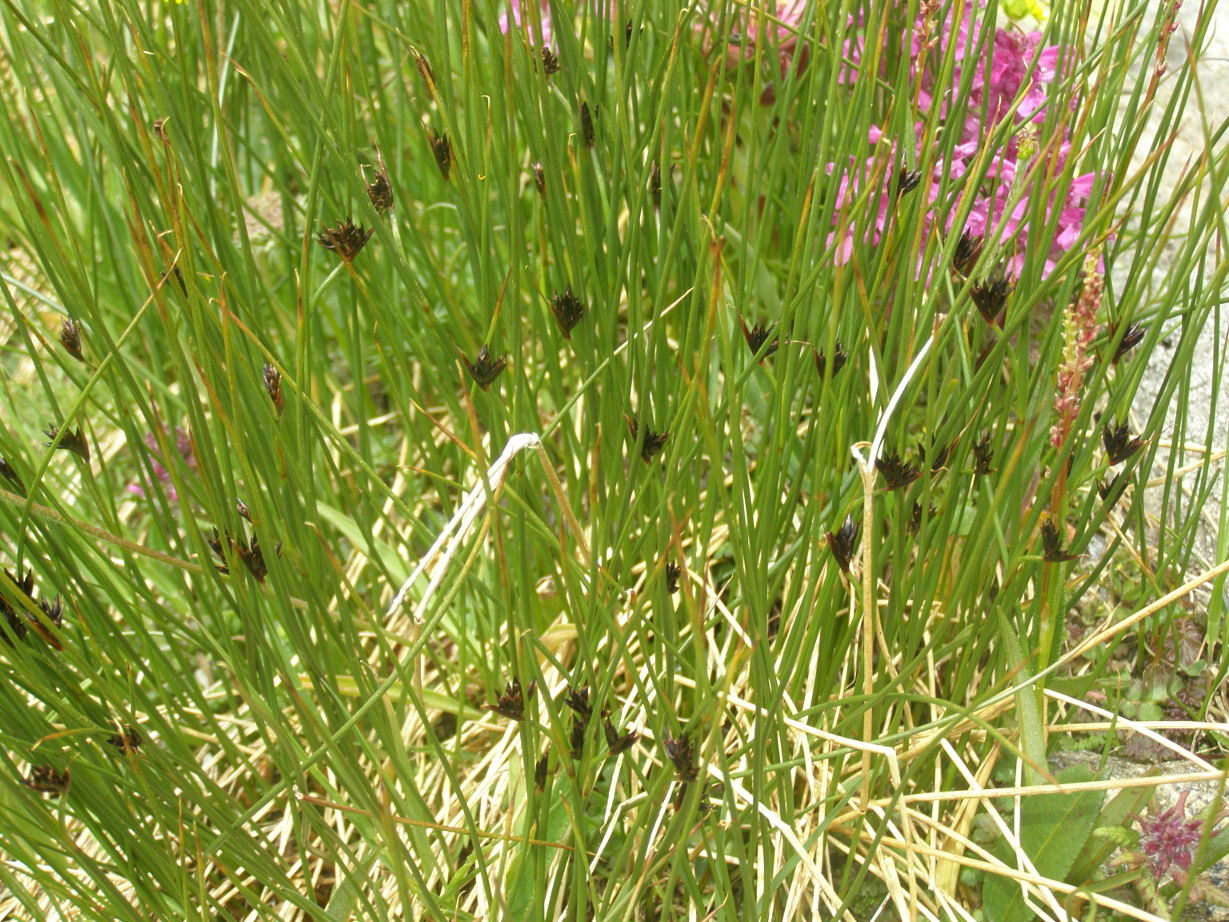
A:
1054	829
1113	817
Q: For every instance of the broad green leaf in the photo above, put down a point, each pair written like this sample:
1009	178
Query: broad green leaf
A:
1053	831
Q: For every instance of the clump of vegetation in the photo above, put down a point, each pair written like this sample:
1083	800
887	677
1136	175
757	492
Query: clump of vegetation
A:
599	460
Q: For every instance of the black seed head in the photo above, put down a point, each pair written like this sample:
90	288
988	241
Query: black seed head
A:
936	457
1131	337
673	571
586	124
441	148
907	180
273	384
11	475
654	442
539	773
511	703
568	310
655	183
127	742
550	62
1051	543
616	741
242	508
839	358
73	441
46	779
843	542
380	191
1112	492
215	545
346	239
252	558
174	273
484	369
914	525
14	615
968	250
577	738
896	471
990	296
539	178
682	756
1119	443
70	338
983	456
758	337
54	612
578	700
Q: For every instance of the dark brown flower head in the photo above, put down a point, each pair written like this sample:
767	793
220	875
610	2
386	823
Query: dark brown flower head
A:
126	742
46	779
655	183
654	442
70	338
914	525
70	440
673	571
839	358
1119	443
1052	546
441	148
273	384
968	250
215	545
1111	492
896	471
936	457
242	508
346	239
511	703
681	752
907	180
568	310
983	456
15	616
586	124
1131	337
539	772
577	738
843	542
174	273
252	558
990	296
380	190
550	62
758	337
578	700
484	369
425	71
618	742
54	610
539	178
10	474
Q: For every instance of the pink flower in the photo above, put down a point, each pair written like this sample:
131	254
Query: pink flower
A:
777	23
1011	70
1169	838
183	445
524	19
